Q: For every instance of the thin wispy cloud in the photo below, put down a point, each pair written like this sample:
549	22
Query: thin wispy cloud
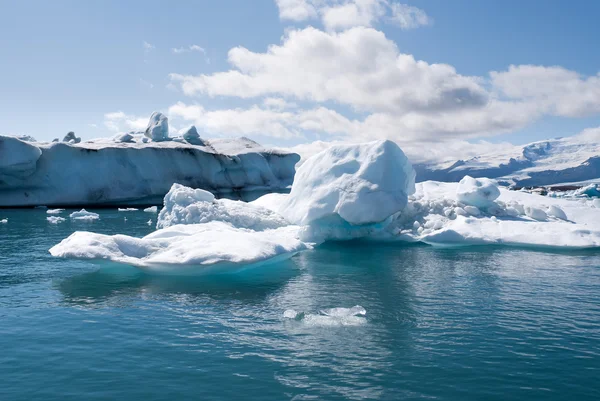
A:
188	49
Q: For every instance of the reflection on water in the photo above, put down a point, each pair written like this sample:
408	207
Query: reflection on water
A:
468	323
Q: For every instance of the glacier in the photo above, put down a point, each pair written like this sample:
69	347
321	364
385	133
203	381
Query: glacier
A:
137	171
352	191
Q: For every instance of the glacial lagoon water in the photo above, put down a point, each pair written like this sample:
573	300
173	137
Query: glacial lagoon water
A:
480	323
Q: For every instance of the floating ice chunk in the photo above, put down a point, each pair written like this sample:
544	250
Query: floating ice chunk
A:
55	211
158	127
84	215
361	184
55	219
128	209
149	222
178	249
354	316
557	212
478	192
535	213
151	209
3	221
184	205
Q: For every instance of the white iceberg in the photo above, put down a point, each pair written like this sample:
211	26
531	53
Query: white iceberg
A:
55	219
158	127
84	215
127	209
184	205
185	249
3	221
477	192
151	209
133	173
55	211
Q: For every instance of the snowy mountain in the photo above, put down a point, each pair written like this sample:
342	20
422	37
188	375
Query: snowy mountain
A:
556	161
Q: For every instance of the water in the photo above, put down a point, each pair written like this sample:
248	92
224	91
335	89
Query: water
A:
448	324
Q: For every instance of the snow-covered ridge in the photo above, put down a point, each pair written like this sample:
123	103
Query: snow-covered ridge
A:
134	170
542	163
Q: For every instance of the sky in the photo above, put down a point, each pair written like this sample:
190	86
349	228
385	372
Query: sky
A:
287	72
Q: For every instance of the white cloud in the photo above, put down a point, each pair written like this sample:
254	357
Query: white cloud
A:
146	84
555	90
188	49
148	47
296	10
343	14
120	122
278	103
409	17
359	67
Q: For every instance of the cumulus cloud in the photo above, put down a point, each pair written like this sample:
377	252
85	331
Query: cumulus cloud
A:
408	17
296	10
359	67
556	90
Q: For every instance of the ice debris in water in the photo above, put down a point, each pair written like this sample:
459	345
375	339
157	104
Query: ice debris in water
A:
3	221
151	209
55	219
128	209
84	215
149	222
184	205
354	316
55	211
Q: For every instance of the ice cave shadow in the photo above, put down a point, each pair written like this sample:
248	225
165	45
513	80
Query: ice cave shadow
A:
112	284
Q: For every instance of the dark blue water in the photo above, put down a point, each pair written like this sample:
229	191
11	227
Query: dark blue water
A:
449	324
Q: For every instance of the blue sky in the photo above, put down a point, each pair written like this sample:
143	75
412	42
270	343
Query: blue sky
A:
102	67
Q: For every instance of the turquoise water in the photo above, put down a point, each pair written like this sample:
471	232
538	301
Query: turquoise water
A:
448	324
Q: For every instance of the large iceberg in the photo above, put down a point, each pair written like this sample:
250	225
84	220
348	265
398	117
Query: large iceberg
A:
106	172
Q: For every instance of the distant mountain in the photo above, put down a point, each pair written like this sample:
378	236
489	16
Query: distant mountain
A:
556	161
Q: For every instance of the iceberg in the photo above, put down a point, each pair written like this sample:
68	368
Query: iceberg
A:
84	215
184	205
55	219
151	209
55	211
3	221
185	249
109	173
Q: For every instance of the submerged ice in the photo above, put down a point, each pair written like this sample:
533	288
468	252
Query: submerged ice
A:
354	316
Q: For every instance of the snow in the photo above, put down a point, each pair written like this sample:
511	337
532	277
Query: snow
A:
151	209
360	184
104	172
55	211
185	249
480	193
84	215
184	205
55	219
158	127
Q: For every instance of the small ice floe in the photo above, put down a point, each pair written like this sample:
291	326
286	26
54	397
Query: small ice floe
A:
125	219
55	219
151	209
84	215
149	222
127	209
354	316
55	211
3	221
